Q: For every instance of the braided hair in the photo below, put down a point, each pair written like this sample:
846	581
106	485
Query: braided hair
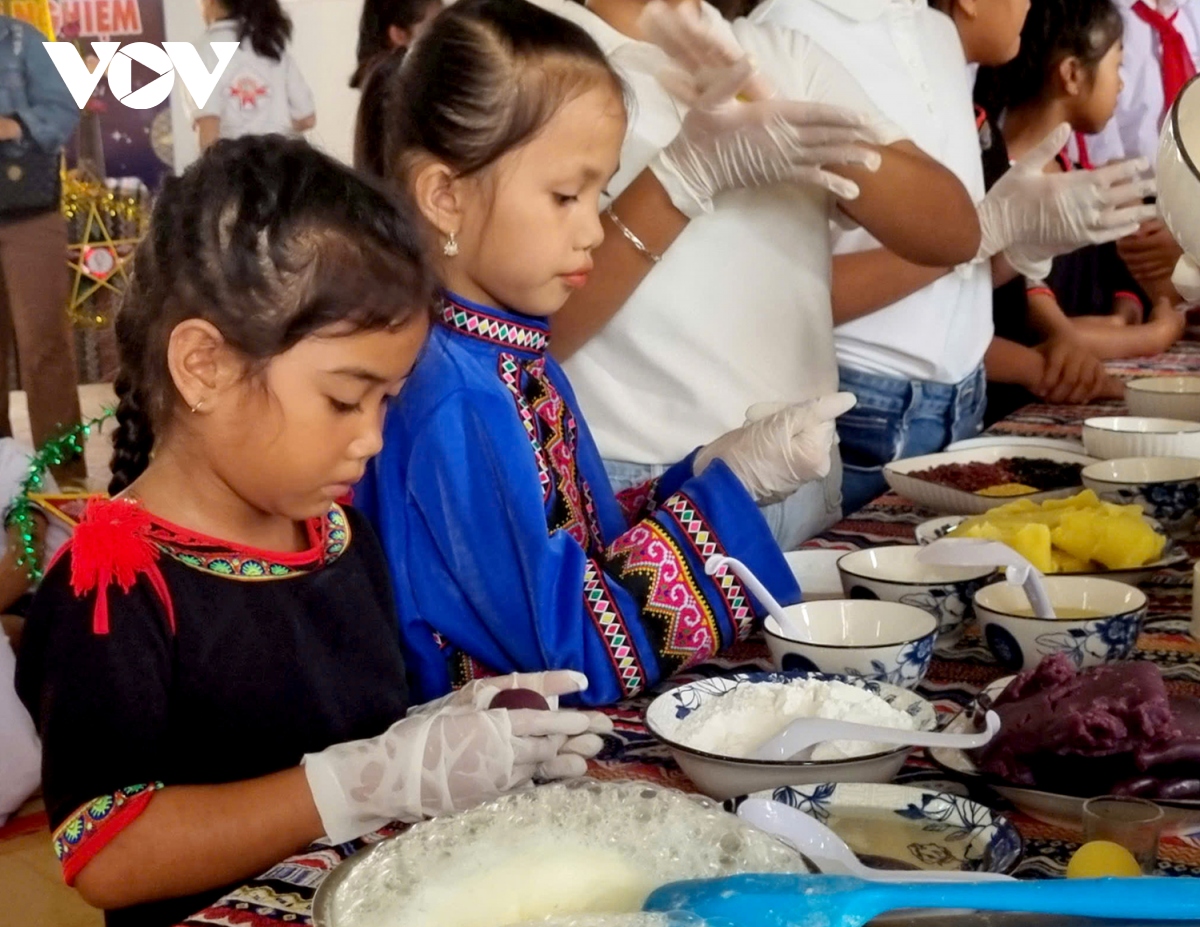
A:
1054	30
264	23
269	241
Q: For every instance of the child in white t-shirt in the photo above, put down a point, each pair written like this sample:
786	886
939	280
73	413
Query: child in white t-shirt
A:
262	90
20	750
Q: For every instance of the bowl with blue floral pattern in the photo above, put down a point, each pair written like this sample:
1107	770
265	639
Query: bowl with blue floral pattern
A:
879	641
1098	621
699	722
904	827
893	573
1167	488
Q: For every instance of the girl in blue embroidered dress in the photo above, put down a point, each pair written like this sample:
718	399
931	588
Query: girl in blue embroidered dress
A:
508	549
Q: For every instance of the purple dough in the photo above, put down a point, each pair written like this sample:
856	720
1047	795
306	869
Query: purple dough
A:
1082	732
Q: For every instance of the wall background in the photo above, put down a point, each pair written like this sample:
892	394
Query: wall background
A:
324	35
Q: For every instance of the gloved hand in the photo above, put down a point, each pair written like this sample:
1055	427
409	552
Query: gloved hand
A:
735	134
445	760
1033	216
479	692
1186	280
773	456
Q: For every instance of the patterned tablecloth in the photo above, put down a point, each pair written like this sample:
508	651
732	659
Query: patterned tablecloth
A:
284	894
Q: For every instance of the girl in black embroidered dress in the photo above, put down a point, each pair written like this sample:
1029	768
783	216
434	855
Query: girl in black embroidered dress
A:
223	620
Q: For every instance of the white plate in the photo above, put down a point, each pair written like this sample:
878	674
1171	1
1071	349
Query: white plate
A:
1172	555
1182	817
950	501
1054	444
817	573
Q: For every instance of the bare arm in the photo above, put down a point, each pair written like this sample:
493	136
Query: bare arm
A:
208	130
1009	362
867	281
303	125
192	838
915	207
647	211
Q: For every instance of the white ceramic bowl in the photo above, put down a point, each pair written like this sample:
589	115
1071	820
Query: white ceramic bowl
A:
947	500
816	573
893	574
881	641
1019	641
1167	488
1178	171
1119	436
728	776
1164	397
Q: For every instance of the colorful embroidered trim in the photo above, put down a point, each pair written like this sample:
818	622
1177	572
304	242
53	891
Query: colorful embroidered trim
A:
651	565
329	535
640	501
493	329
705	543
1039	290
611	625
93	826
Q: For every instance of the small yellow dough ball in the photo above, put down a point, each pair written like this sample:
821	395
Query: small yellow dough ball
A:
1102	858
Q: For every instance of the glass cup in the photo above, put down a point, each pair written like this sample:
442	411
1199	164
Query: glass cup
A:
1134	823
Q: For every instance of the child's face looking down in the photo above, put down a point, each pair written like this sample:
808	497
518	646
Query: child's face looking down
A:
527	226
1098	101
295	436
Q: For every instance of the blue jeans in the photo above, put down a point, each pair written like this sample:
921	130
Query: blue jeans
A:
901	418
805	513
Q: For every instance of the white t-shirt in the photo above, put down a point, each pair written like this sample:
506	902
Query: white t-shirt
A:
737	311
1133	130
909	60
255	95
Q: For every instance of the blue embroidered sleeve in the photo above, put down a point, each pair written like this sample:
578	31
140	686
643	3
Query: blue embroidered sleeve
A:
463	521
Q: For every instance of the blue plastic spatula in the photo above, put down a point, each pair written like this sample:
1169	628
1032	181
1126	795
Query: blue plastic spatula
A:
774	900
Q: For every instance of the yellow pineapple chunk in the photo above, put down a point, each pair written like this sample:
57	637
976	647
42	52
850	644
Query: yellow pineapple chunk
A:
1033	543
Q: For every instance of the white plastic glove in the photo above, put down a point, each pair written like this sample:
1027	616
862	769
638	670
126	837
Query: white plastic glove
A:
773	456
445	760
1033	216
1186	280
736	134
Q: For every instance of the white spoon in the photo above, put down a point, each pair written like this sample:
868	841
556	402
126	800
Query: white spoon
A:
797	632
805	733
830	853
984	553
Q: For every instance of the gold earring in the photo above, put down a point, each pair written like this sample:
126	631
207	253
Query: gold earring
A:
450	248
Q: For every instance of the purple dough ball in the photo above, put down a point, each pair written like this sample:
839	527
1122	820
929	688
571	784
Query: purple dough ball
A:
519	698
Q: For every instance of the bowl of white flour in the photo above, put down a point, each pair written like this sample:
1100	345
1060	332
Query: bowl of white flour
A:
713	726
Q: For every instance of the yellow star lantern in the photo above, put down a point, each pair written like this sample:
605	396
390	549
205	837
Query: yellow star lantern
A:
105	227
34	12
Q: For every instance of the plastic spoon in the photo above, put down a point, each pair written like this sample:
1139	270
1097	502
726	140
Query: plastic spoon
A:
805	733
981	552
799	632
776	900
830	852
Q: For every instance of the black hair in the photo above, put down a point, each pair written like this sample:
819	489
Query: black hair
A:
264	23
378	16
1054	30
270	241
485	77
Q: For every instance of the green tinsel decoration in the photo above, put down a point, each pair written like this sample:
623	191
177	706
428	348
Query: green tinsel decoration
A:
63	449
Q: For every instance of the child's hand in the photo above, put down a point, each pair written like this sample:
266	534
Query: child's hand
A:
1033	216
1168	322
427	765
775	455
736	135
1072	374
1150	253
